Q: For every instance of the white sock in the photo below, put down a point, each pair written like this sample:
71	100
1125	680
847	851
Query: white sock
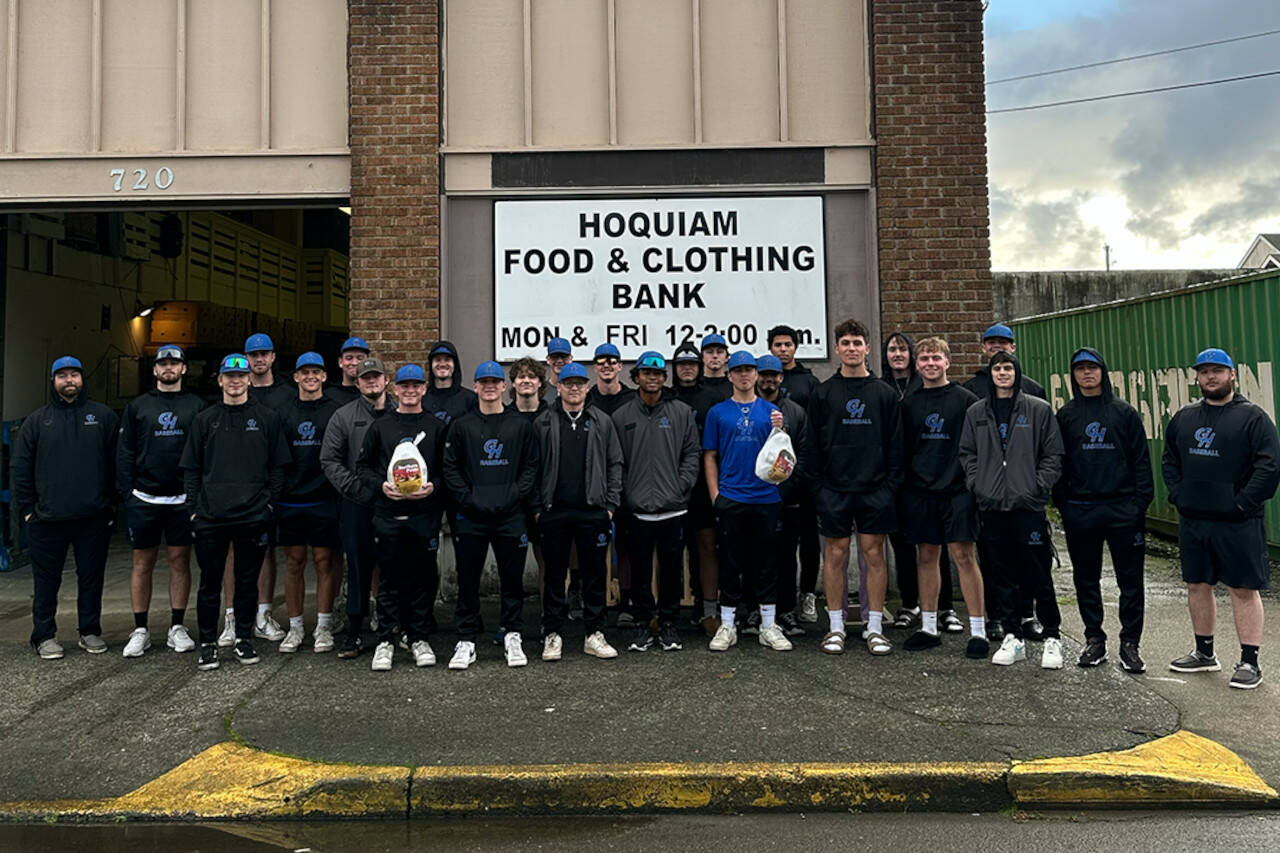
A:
727	615
875	622
324	620
295	622
837	621
708	607
231	614
978	626
929	622
263	610
768	613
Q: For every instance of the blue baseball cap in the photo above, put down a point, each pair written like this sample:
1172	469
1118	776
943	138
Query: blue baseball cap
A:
573	370
309	359
354	342
171	352
234	363
1213	355
651	361
999	330
714	340
489	370
769	364
559	346
742	358
258	342
1085	356
410	373
66	362
607	351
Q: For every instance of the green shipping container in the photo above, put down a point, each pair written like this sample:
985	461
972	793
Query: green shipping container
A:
1149	345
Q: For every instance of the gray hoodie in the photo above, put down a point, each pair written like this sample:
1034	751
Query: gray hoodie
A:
1018	473
660	454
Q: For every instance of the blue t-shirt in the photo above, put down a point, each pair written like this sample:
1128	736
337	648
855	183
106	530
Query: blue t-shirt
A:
737	432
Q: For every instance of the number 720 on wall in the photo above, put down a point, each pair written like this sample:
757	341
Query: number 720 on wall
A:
163	179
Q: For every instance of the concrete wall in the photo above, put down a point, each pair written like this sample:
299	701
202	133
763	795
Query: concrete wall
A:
1027	294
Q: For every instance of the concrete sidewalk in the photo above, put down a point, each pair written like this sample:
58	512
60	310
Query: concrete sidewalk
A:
746	728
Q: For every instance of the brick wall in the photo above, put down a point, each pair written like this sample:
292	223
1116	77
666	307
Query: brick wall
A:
393	54
931	172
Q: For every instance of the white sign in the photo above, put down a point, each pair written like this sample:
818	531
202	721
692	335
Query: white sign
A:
651	274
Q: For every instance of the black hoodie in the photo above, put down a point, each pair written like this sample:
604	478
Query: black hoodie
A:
380	443
1105	458
932	420
800	383
275	395
913	381
153	432
491	465
305	423
855	430
234	463
449	401
63	464
696	396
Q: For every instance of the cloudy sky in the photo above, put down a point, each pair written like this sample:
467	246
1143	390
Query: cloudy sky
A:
1181	179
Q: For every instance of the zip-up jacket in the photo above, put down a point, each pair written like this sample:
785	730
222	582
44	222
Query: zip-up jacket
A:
855	427
234	463
795	422
153	432
305	423
63	464
380	442
1221	462
932	420
661	454
343	438
800	383
912	382
491	465
1105	457
1017	472
452	401
603	459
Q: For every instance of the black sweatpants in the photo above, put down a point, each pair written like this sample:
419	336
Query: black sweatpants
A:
212	541
47	544
590	530
1088	528
1020	556
406	549
747	542
355	525
665	539
471	543
790	535
810	548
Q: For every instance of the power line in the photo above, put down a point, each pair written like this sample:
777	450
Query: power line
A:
1132	58
1136	92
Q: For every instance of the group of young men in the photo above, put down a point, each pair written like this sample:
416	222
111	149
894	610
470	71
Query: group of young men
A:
584	471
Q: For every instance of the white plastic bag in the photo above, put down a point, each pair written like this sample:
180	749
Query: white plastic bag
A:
407	470
776	461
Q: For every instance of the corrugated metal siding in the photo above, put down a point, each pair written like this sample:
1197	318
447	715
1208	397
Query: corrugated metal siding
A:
1149	344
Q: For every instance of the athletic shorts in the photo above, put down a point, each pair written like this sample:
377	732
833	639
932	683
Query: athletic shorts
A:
316	526
840	512
938	519
1233	553
147	523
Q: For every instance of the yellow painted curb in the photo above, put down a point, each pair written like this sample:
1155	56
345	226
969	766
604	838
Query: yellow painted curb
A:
587	788
233	781
1179	768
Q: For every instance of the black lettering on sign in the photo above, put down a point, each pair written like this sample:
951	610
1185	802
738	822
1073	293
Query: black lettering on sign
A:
685	294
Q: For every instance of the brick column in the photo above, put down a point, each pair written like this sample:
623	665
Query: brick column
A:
931	172
393	60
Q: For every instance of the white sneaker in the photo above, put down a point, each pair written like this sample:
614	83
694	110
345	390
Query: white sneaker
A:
1011	650
179	640
423	654
267	628
227	638
464	654
775	639
552	647
382	656
514	649
292	640
808	608
139	642
373	622
597	646
1051	657
322	639
726	636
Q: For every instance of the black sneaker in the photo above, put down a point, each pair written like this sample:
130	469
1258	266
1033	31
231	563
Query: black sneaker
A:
1032	629
1095	653
208	657
1196	662
995	632
1247	676
245	652
1130	660
641	639
352	646
977	648
669	638
921	640
790	627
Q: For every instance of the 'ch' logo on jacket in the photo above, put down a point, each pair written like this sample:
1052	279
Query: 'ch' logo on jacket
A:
855	408
493	450
934	423
1097	434
1204	442
168	423
306	430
